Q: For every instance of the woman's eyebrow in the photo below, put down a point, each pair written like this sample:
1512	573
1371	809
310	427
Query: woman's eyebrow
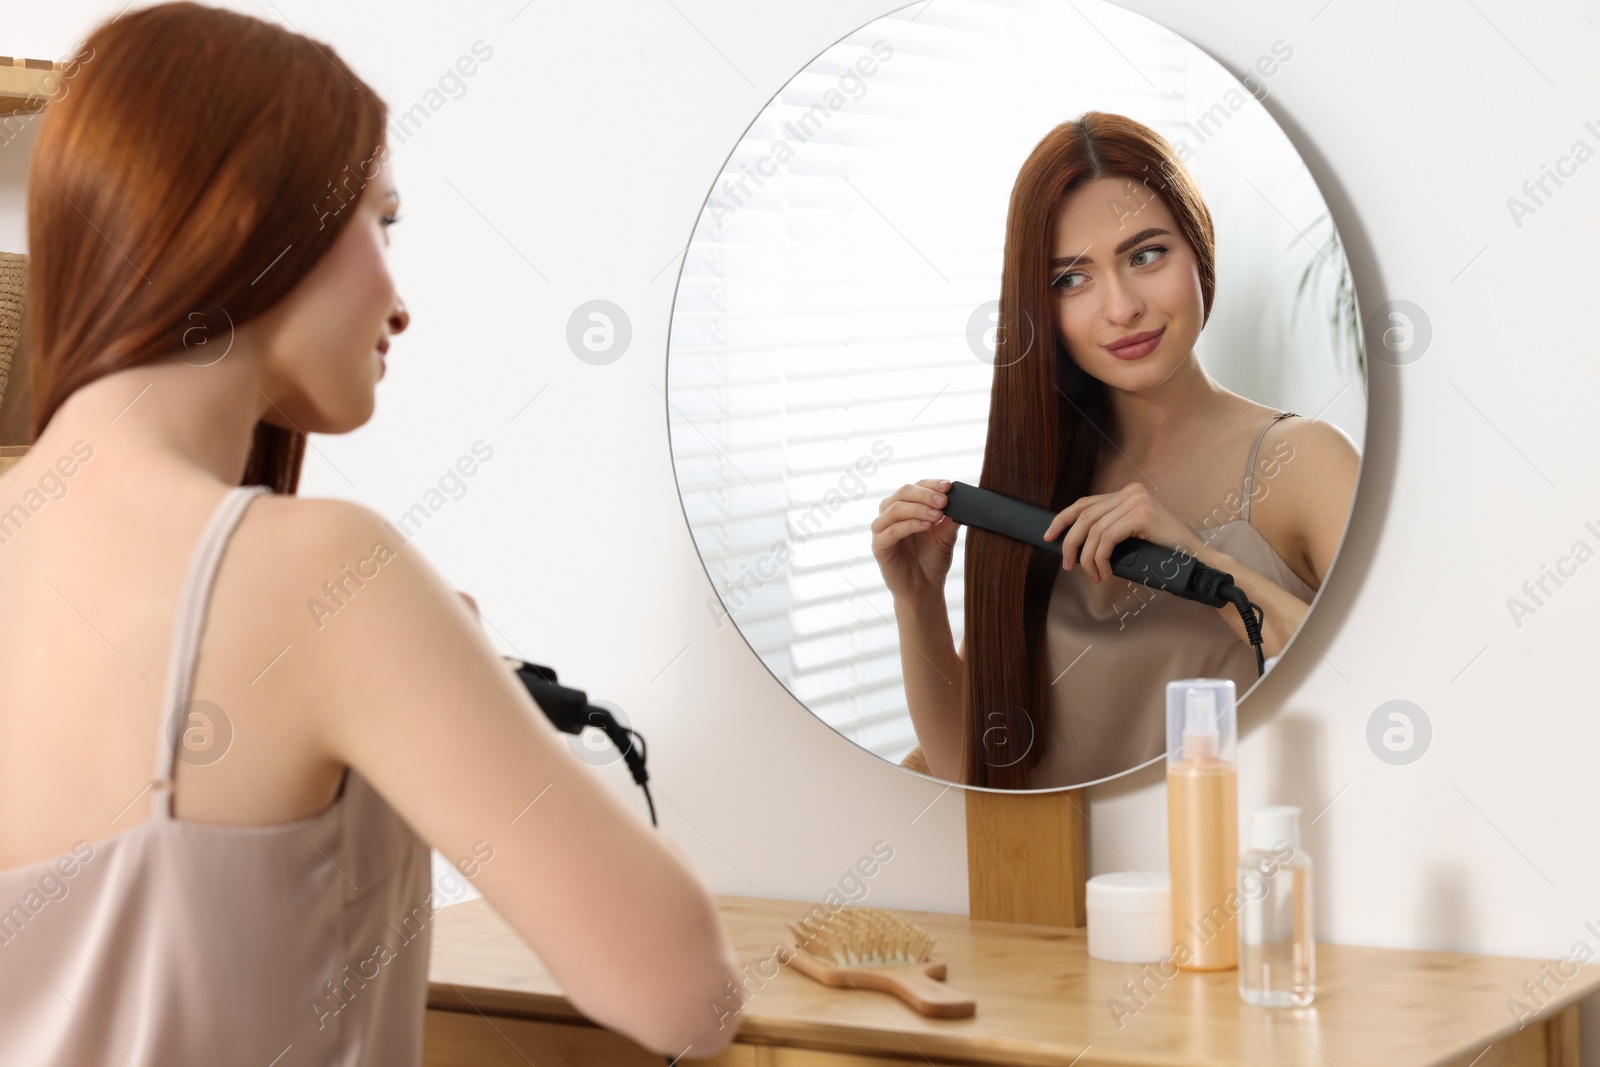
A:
1084	261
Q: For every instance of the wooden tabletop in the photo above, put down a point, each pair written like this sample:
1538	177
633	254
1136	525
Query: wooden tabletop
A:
1042	1000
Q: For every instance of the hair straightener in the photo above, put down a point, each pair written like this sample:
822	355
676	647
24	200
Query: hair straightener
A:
570	712
1171	570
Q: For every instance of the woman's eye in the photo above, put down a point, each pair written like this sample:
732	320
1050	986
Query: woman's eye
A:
390	220
1060	279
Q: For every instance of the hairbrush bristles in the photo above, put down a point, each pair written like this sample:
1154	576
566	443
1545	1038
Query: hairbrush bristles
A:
863	937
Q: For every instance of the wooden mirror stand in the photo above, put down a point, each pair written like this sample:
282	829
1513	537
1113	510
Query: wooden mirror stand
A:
1025	861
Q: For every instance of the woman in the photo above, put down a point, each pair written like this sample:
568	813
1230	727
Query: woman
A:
1101	412
208	212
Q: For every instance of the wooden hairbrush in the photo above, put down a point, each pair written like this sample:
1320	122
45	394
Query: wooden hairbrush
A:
871	948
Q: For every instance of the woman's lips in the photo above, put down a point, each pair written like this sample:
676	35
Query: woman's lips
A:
1140	350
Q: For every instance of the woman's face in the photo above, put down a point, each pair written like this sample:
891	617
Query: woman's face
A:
323	359
1120	268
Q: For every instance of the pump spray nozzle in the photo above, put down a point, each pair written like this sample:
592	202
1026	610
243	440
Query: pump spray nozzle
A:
1201	739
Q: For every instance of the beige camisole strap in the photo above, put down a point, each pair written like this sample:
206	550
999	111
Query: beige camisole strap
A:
1250	465
193	601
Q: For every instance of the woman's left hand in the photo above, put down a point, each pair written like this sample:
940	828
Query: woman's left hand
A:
1095	525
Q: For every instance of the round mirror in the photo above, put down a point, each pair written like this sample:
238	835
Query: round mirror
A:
1057	253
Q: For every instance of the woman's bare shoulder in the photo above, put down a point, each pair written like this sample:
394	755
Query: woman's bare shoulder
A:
289	525
1324	442
305	562
319	538
1242	418
1308	470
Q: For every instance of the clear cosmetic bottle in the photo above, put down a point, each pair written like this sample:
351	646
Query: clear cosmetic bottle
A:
1277	954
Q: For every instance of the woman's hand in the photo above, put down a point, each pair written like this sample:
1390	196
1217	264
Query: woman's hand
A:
913	540
1095	525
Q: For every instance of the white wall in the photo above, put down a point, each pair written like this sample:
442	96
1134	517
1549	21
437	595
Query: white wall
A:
585	147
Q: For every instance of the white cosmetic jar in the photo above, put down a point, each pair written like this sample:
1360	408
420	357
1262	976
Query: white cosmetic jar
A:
1130	916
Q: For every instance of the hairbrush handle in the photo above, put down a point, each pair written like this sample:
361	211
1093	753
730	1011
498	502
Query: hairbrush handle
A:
917	984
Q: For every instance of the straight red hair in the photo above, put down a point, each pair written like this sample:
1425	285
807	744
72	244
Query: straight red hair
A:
1046	420
193	175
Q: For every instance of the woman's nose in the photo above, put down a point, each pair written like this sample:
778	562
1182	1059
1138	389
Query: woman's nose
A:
1122	302
400	318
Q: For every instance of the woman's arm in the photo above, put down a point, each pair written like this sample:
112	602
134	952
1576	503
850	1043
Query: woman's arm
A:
414	698
1303	516
931	668
1282	611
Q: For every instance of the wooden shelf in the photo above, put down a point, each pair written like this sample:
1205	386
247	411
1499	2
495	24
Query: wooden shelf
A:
27	84
1025	861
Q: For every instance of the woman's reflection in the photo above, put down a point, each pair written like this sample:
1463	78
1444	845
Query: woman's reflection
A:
1101	411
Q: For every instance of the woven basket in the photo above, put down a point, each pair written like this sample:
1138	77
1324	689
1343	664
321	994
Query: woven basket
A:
13	274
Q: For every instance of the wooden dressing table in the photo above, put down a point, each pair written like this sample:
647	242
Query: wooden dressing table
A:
1041	1000
1023	954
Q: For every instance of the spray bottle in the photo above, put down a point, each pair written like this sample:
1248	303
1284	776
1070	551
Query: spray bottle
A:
1203	822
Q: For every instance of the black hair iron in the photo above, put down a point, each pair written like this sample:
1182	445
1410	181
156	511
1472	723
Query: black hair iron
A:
570	712
1171	570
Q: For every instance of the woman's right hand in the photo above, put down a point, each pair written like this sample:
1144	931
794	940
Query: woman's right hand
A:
913	540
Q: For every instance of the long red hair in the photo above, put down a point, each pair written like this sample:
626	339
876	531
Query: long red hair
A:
193	175
1046	416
